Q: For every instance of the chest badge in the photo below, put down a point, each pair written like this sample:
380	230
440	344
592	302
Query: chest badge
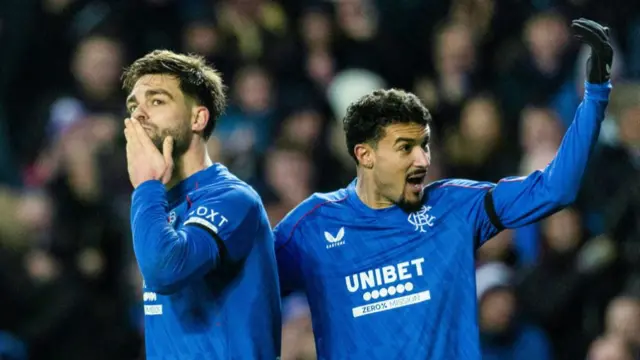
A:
421	219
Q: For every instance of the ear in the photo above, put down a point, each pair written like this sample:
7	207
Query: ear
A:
365	155
199	118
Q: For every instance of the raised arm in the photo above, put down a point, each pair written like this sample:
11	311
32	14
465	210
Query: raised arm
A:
518	201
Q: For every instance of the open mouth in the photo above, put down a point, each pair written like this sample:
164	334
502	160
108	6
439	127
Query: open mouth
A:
416	179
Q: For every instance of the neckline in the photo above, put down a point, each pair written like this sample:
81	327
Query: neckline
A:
356	202
206	175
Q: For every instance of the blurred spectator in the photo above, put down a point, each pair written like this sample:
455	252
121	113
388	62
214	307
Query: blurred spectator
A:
540	70
476	150
623	320
610	348
454	58
503	334
250	28
476	14
24	217
361	44
297	334
540	131
500	248
245	129
84	122
571	284
202	37
317	35
611	193
304	128
77	265
289	179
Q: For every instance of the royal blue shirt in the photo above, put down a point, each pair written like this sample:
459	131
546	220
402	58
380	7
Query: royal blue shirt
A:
205	250
386	284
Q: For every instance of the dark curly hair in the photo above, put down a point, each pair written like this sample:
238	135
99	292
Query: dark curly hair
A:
367	118
198	80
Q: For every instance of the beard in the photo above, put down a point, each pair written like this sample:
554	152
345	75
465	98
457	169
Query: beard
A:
181	139
409	206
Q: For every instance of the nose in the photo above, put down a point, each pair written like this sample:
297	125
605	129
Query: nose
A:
140	114
421	158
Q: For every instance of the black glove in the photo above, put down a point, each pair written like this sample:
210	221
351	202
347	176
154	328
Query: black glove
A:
601	59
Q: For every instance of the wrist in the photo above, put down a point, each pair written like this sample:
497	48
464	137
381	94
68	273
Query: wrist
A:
598	69
149	188
595	91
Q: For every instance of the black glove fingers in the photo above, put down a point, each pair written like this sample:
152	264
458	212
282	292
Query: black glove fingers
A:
595	26
588	35
592	26
589	23
587	27
595	36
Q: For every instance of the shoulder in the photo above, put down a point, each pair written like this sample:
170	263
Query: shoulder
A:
457	188
310	208
227	192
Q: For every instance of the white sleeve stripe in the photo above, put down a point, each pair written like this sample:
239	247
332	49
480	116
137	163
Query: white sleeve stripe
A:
203	222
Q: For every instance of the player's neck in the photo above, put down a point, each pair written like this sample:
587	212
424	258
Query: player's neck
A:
368	193
194	160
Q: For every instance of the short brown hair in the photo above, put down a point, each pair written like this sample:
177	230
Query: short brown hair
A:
197	79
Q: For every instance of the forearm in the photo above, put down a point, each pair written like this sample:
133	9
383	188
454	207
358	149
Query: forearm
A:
563	177
516	202
166	257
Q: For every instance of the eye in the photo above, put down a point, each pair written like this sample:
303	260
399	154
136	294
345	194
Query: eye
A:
157	102
131	109
405	148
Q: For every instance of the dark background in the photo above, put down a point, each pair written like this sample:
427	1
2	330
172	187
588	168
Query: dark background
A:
502	79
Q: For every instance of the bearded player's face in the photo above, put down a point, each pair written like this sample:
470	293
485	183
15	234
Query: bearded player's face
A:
162	109
401	161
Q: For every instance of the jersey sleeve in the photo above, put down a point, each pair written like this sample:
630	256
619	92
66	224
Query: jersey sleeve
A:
289	235
218	228
518	201
289	270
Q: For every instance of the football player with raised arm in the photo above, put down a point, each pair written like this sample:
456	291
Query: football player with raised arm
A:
387	263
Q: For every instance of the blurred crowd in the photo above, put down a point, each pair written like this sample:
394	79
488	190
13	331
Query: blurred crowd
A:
502	79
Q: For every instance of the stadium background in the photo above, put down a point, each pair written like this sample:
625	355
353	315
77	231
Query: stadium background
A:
502	79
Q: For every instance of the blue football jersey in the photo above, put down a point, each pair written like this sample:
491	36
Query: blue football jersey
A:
387	284
205	250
